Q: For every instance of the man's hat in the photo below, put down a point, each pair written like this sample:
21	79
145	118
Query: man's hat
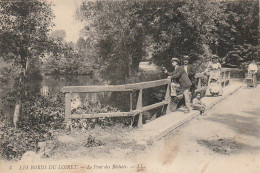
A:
215	57
186	57
176	59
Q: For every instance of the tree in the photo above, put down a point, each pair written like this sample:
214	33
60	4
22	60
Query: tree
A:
112	33
123	32
81	44
24	28
202	28
238	43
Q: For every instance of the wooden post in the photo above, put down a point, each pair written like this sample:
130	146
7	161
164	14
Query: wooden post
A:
131	101
228	77
139	106
67	106
168	98
224	79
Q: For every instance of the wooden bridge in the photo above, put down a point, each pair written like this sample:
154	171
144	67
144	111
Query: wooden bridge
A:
68	90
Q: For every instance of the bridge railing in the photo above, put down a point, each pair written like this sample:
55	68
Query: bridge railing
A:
68	90
225	78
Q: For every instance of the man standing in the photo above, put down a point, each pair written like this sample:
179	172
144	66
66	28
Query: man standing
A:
181	76
191	73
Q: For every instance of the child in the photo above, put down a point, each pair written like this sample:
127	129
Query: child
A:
198	104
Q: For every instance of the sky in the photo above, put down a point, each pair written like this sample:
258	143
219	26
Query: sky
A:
64	10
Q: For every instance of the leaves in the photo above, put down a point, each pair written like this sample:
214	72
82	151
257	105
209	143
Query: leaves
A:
24	26
15	142
122	32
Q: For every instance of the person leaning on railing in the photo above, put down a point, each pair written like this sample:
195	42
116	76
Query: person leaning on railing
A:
252	70
181	76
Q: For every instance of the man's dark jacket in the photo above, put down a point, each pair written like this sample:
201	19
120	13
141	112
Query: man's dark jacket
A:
181	76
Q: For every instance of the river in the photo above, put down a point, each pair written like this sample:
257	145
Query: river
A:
52	84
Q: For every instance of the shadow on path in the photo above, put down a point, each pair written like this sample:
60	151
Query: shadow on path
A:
245	125
226	146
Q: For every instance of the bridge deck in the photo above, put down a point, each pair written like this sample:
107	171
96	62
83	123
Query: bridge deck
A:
160	127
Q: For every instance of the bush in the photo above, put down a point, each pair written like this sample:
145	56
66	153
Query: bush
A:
16	141
94	108
44	111
41	118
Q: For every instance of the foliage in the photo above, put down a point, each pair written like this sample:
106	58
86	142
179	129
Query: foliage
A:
46	112
90	107
24	30
117	40
15	142
43	118
121	34
67	58
202	28
68	61
58	35
241	54
24	88
238	40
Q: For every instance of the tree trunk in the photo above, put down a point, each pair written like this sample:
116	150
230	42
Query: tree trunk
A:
16	113
17	109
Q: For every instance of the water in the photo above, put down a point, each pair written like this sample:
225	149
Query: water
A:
52	84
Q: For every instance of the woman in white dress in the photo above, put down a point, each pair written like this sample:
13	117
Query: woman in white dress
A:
213	70
252	71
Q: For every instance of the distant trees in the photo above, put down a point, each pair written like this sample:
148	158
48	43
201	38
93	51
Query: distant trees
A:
58	35
81	44
68	58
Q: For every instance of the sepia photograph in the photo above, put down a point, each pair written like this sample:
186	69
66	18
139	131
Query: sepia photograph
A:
129	86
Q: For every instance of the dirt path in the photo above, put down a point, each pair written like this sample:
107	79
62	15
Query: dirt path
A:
226	139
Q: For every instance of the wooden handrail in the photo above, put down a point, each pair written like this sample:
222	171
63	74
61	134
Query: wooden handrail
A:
145	85
102	115
68	90
93	89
